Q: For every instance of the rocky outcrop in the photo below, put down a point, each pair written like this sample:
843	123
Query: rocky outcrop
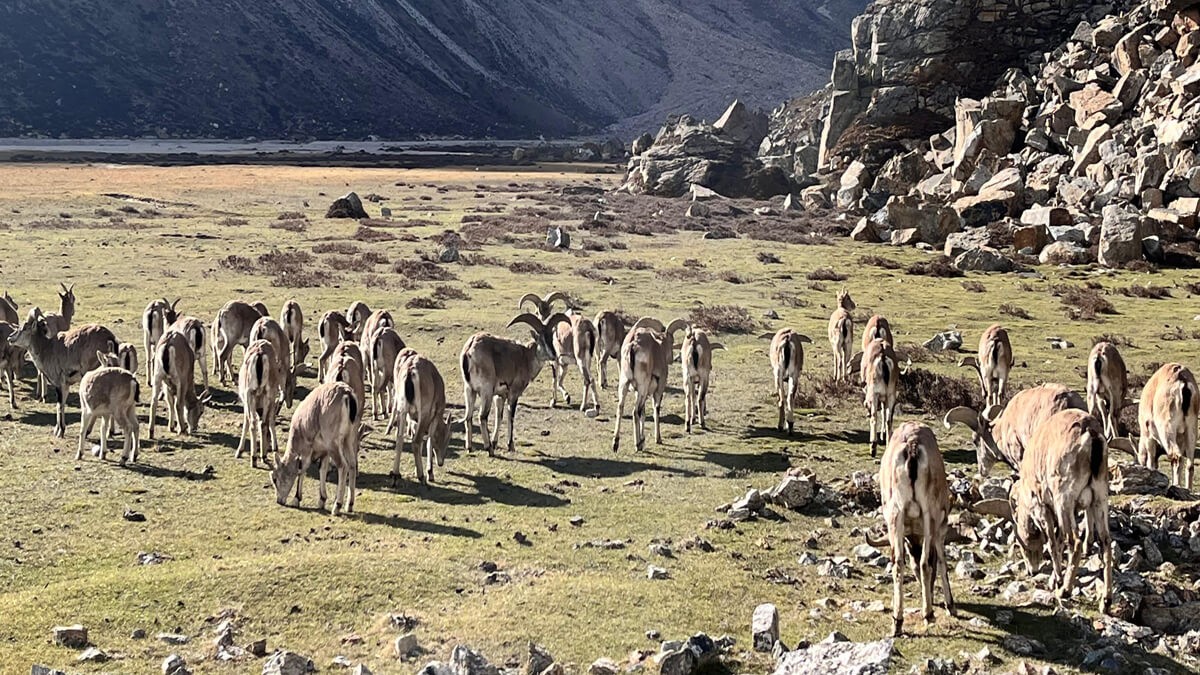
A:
720	156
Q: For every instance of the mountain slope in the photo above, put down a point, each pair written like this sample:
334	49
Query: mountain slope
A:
397	68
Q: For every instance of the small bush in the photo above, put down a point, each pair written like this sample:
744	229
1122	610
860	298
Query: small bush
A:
341	247
972	286
449	293
911	351
693	263
1149	291
879	261
291	215
1082	304
480	283
1116	340
276	261
237	263
938	267
594	274
790	299
290	225
375	281
768	258
723	319
224	222
1010	309
529	267
367	234
618	263
424	303
422	270
733	277
825	274
936	394
474	259
595	245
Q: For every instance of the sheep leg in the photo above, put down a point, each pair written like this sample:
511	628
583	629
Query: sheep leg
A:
417	449
791	411
267	420
1069	530
352	476
247	418
498	404
485	414
623	389
779	395
399	446
895	528
944	573
343	479
588	385
689	404
299	485
603	370
639	422
658	397
468	416
322	472
153	408
512	414
873	414
12	395
60	428
925	568
105	429
132	442
704	404
1104	539
85	427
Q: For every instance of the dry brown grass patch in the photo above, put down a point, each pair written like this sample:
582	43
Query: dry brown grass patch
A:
940	266
530	267
364	233
1009	309
424	303
722	319
422	270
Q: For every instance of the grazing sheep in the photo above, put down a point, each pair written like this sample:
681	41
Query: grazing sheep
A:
8	310
230	329
111	394
259	390
291	317
193	329
383	347
695	357
269	329
11	358
63	358
841	335
357	314
1167	416
158	315
916	509
346	365
877	328
323	429
880	375
1106	385
994	362
174	365
544	306
58	323
421	404
333	328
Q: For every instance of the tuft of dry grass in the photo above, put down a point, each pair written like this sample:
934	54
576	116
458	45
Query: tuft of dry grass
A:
733	277
444	292
880	262
530	267
1009	309
481	284
1116	340
940	266
972	286
229	221
1149	291
768	258
936	394
422	270
722	319
790	299
366	234
341	247
478	259
825	274
302	278
294	225
237	263
291	215
424	303
594	274
1082	303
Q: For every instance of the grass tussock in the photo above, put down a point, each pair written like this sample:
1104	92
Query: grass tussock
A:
228	221
367	234
1082	303
340	247
445	292
422	270
593	274
302	278
684	275
733	277
1149	291
940	266
293	225
291	215
481	284
1115	339
825	274
622	264
936	394
424	303
790	299
768	258
972	286
237	263
880	262
722	319
1009	309
479	259
530	267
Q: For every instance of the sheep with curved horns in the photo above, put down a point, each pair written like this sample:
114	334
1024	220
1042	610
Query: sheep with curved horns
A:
646	356
174	365
8	310
544	306
993	363
291	317
841	335
497	369
1003	434
59	322
259	390
1167	415
193	329
787	362
916	510
357	314
575	342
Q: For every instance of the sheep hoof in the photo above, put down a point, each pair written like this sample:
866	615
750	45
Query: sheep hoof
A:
295	503
337	509
897	625
592	413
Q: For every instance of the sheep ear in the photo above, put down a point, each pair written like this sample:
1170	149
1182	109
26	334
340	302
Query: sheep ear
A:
856	362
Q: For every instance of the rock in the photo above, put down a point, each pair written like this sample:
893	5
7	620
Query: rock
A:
866	232
448	253
45	670
815	198
984	259
958	243
655	573
173	638
288	663
865	552
92	655
257	648
902	173
753	501
1090	152
1121	236
347	206
406	646
1022	646
764	211
360	669
437	668
844	658
466	661
74	637
681	661
1129	478
948	341
851	186
604	666
174	665
1034	237
1064	253
642	143
932	222
791	204
698	210
741	125
984	208
1046	216
764	627
556	237
539	659
795	491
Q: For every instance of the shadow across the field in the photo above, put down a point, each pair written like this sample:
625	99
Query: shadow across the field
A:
402	523
603	467
855	436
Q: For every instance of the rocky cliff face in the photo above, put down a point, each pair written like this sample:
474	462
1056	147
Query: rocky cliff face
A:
400	68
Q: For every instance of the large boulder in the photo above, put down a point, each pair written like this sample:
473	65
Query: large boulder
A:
844	658
984	259
932	222
1121	233
288	663
741	125
851	185
347	206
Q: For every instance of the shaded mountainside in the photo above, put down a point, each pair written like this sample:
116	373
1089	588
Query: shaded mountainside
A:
397	68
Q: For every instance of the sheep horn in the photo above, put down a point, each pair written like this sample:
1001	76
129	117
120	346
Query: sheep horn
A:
716	345
962	415
531	297
676	324
557	295
529	319
648	322
877	542
803	338
555	319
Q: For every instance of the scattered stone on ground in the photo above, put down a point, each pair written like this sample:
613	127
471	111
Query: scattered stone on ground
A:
347	206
